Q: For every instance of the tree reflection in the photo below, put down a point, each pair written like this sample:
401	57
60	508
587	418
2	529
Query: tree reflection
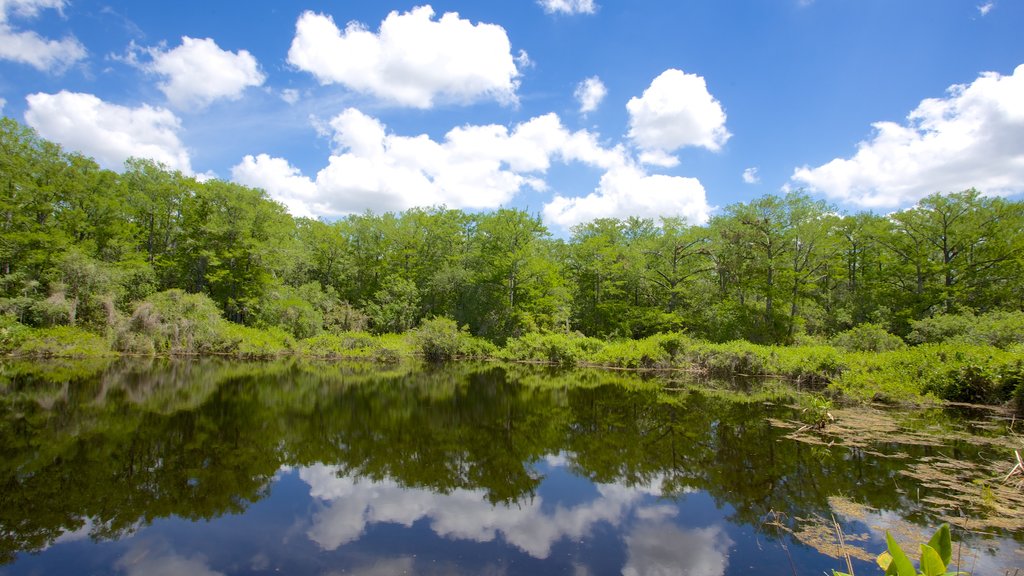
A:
110	447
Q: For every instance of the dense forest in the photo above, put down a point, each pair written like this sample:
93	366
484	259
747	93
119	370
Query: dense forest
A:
81	246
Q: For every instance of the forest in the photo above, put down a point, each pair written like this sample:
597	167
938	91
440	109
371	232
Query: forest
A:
82	246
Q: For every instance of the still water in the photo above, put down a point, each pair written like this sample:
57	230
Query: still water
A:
209	467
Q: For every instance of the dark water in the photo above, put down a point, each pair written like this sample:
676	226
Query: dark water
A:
208	467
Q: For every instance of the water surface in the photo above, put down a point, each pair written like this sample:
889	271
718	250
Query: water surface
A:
212	467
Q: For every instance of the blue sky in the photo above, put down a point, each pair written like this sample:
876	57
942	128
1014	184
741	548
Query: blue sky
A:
573	109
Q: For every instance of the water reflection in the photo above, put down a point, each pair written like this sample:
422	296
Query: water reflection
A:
547	471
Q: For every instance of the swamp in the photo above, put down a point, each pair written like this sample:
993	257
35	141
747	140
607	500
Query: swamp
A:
214	466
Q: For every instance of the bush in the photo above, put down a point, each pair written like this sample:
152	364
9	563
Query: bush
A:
440	339
646	353
12	333
175	323
867	337
246	342
60	341
564	349
285	308
1001	329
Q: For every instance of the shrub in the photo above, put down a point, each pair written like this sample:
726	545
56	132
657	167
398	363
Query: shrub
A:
12	333
867	337
60	341
247	342
285	308
1001	329
174	322
646	353
564	349
440	339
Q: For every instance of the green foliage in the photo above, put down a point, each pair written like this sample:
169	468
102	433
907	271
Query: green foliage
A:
440	339
867	337
285	307
245	342
351	345
12	333
935	560
59	341
1000	329
173	322
956	372
564	349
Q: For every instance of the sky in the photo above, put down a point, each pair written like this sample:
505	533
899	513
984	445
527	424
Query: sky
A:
570	109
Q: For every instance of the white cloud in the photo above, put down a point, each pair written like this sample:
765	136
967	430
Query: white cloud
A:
3	103
282	181
351	505
658	158
974	137
677	110
290	95
985	8
413	61
568	6
28	47
198	72
157	560
660	548
590	93
108	132
473	167
750	175
628	191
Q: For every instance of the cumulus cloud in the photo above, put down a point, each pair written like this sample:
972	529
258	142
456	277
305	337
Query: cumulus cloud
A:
660	548
750	175
413	60
985	8
474	166
110	133
28	47
590	93
282	181
350	506
2	104
973	137
199	72
675	111
568	6
629	191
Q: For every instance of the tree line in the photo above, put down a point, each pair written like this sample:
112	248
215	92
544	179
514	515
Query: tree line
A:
82	245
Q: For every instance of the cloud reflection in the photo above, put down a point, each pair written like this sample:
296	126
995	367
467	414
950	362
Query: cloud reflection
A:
658	548
351	505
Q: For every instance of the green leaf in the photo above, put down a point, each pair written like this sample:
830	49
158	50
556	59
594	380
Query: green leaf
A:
884	560
901	565
942	543
931	563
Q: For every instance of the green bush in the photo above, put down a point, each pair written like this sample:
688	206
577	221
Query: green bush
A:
60	342
12	333
284	307
440	339
563	349
867	337
174	322
646	353
353	345
1001	329
247	342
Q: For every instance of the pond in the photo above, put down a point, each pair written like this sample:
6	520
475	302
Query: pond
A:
207	467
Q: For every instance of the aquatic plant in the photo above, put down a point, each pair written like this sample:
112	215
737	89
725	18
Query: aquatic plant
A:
935	559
